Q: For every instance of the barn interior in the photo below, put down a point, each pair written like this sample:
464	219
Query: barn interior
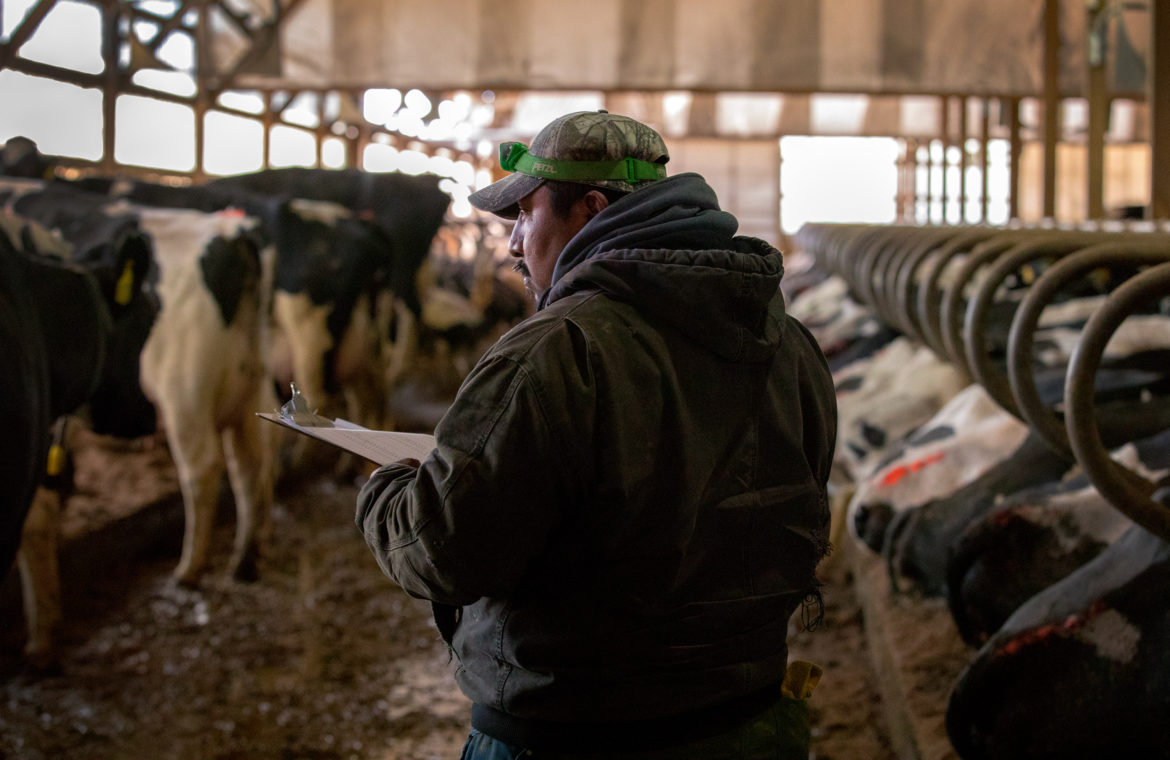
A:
1010	160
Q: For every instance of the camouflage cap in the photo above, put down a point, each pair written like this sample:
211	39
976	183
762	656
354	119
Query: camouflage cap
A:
599	148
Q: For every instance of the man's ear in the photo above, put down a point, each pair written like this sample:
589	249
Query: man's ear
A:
595	202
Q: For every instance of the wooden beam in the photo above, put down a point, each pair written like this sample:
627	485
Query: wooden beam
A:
170	25
963	159
291	96
912	152
322	130
126	87
111	79
1051	102
1015	147
203	69
930	196
58	73
1096	29
1158	95
260	42
946	143
239	20
985	154
22	33
267	120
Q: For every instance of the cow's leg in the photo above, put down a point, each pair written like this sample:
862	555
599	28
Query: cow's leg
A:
39	577
248	447
195	447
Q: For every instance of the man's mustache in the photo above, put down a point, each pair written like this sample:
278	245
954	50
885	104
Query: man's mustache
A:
522	268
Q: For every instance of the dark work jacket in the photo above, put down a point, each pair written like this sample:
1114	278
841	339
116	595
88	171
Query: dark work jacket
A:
627	498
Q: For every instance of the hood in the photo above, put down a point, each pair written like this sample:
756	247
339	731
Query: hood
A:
669	250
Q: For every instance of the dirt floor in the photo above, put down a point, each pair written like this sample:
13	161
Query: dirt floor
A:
322	658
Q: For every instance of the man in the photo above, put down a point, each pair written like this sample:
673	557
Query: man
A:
627	499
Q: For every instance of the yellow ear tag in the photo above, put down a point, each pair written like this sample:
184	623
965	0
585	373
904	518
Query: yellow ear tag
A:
124	290
56	460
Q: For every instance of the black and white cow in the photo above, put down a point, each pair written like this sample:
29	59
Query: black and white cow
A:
200	360
1082	669
54	330
1035	538
882	399
408	209
960	444
64	345
345	301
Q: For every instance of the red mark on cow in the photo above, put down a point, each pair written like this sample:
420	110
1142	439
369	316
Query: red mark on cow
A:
1064	629
231	212
902	470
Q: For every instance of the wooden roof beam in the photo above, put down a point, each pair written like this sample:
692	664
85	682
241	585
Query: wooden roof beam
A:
260	42
22	33
171	24
239	20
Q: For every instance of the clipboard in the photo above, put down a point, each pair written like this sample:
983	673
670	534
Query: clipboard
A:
378	446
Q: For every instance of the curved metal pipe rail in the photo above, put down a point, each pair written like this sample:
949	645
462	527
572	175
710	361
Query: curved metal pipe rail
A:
1044	420
873	266
885	270
1125	490
914	297
898	276
874	245
950	318
974	325
929	305
974	344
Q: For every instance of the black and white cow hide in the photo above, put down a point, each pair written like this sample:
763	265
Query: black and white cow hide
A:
1082	669
1036	538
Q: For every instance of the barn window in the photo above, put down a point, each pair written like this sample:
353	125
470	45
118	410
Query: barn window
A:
137	132
70	35
49	114
232	144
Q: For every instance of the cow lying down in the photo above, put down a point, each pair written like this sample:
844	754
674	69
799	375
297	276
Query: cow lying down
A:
967	437
921	538
1082	669
1037	537
882	399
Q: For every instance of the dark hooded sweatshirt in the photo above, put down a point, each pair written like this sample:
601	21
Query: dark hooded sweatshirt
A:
627	500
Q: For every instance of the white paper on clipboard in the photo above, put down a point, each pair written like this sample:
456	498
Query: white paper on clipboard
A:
378	446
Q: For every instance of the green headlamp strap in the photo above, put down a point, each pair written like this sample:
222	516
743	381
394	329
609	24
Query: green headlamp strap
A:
514	157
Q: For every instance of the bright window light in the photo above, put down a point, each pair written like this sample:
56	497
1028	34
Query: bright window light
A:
837	179
379	105
292	147
141	140
63	120
249	101
233	144
417	103
179	51
332	153
413	162
12	12
379	158
70	37
302	110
